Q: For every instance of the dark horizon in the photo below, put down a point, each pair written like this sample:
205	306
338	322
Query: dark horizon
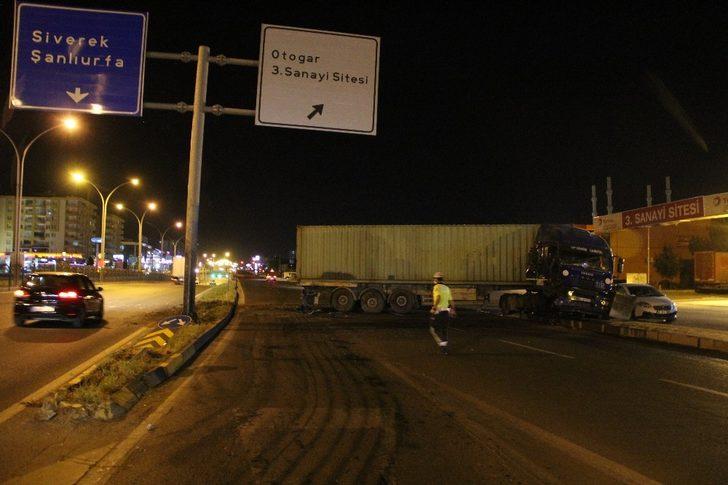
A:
486	115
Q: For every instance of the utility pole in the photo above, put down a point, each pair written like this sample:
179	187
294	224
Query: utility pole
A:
610	208
668	190
649	258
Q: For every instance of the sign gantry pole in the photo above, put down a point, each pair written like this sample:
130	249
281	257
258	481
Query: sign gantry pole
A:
193	180
197	134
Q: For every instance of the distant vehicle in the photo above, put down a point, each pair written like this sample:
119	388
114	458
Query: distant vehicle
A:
649	302
178	270
711	271
67	297
271	277
290	276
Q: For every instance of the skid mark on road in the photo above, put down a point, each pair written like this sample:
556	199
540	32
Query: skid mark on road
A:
536	349
613	470
697	388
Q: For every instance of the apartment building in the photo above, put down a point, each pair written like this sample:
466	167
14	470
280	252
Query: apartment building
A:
56	225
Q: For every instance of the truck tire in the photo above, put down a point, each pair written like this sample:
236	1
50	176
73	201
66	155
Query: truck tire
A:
343	300
371	301
401	301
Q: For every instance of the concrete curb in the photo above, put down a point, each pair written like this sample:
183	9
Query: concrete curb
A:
680	336
123	400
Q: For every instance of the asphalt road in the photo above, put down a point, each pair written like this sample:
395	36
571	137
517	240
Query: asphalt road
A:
710	313
33	356
285	397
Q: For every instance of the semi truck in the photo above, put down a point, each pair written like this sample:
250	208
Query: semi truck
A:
531	268
711	271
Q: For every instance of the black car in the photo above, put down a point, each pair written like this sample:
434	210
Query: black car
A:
68	297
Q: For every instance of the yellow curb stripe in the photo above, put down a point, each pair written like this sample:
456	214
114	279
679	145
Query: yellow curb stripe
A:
158	340
164	331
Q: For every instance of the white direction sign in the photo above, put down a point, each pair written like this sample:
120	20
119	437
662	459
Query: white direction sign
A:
317	80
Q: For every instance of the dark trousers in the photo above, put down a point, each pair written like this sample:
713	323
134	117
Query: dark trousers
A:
439	323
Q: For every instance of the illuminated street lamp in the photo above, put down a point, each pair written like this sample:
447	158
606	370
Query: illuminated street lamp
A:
151	206
178	225
227	254
69	124
80	178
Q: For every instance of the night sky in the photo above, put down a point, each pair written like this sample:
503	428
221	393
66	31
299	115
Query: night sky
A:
486	116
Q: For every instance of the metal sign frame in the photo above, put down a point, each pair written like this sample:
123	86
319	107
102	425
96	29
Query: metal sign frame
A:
142	60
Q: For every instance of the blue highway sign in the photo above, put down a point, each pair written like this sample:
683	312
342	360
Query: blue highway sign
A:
75	59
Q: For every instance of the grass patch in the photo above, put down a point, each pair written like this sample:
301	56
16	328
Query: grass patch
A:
122	367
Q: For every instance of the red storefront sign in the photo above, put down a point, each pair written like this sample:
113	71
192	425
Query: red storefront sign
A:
669	212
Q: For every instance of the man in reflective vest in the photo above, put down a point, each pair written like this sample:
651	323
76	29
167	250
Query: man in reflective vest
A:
443	307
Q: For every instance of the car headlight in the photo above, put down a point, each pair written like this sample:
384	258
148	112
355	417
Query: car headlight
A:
644	304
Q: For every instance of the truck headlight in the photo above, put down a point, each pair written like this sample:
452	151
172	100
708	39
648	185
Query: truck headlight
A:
608	281
565	272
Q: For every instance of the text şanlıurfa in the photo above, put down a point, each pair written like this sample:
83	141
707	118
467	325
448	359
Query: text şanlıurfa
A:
52	39
340	77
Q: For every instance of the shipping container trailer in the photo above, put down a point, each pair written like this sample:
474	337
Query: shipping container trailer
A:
393	265
711	270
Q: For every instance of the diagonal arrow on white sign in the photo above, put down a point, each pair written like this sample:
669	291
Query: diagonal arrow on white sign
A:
77	96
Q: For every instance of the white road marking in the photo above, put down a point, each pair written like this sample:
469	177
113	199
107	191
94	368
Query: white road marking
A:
536	349
697	388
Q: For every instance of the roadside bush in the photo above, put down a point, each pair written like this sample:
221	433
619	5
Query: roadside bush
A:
667	263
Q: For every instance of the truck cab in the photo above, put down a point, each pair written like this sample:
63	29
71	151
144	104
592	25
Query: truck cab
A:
572	270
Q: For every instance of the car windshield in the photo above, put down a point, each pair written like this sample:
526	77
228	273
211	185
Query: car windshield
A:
643	290
586	259
50	281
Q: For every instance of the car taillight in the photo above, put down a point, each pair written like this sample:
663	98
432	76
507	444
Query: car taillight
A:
68	295
21	294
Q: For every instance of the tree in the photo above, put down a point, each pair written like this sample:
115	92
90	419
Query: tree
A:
667	262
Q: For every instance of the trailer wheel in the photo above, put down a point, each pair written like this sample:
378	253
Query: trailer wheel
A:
401	301
371	301
342	299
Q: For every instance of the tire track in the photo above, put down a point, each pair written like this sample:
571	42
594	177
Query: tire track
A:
372	438
324	446
309	429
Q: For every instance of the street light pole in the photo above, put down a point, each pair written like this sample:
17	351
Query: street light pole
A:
150	207
178	225
174	246
17	257
79	177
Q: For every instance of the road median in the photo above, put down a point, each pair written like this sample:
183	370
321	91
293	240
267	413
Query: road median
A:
110	388
697	338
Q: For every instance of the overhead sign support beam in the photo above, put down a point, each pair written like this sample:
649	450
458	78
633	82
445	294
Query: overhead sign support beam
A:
194	177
